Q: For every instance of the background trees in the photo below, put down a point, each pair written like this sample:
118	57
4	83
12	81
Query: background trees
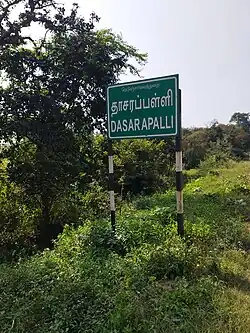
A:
53	98
241	120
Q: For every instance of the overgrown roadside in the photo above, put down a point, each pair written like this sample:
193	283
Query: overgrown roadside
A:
146	279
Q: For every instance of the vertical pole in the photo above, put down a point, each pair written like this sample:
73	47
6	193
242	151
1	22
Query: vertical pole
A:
179	175
111	185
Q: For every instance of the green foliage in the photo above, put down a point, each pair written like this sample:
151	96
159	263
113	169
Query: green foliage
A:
140	166
211	162
53	100
144	278
31	11
143	166
96	202
224	141
17	219
242	120
195	145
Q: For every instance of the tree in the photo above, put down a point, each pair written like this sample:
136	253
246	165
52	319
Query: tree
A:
195	146
241	120
55	100
33	11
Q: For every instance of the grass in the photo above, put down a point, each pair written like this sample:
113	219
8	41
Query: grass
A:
146	278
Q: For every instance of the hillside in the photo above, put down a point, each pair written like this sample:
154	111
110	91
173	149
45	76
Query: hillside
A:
144	279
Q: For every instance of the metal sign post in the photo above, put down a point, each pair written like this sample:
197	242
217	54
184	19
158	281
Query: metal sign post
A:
111	184
179	175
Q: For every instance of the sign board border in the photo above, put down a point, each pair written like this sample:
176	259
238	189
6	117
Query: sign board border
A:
161	78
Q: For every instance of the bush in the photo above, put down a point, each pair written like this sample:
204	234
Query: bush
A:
75	208
96	202
17	220
212	163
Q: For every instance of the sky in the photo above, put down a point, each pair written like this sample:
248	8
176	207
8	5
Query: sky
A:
206	42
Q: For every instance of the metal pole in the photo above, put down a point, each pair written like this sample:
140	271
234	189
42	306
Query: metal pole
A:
179	175
111	185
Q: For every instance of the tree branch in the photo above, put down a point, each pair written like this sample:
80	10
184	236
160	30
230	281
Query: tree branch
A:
7	8
10	32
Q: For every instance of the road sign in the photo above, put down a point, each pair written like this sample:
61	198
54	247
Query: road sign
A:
143	109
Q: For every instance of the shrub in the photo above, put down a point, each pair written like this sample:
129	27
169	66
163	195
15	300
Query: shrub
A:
17	220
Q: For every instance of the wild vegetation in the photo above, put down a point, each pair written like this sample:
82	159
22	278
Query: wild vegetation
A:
145	278
62	269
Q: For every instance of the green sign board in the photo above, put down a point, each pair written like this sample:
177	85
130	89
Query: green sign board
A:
142	109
